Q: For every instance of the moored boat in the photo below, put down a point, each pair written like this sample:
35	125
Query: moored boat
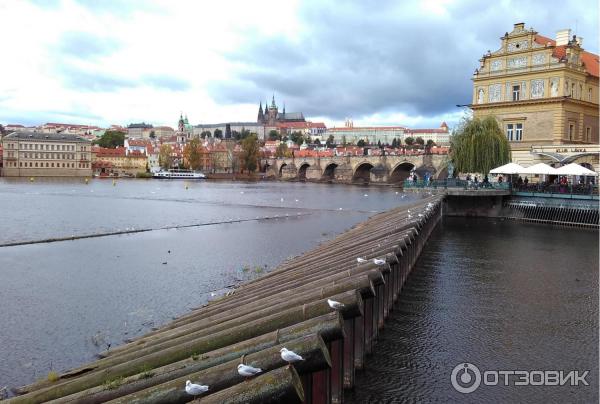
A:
175	174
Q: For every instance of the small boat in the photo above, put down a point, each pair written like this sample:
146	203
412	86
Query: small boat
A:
175	174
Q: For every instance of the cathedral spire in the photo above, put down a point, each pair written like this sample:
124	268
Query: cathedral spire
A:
273	102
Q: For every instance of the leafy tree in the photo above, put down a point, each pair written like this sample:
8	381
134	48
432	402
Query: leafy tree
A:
111	139
430	144
274	135
152	134
478	145
282	151
205	134
360	143
193	154
379	144
250	153
344	142
218	133
409	140
419	140
244	133
318	142
297	137
236	135
330	142
165	156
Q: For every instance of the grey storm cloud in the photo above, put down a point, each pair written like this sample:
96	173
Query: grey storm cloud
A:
84	79
360	58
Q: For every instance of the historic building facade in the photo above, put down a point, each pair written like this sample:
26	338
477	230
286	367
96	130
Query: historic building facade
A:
386	134
36	154
543	92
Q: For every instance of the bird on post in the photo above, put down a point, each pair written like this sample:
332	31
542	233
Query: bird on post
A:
335	305
195	389
248	371
290	356
378	261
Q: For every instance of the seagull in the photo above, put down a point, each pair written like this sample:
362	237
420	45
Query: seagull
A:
410	216
241	192
290	356
281	199
377	261
335	305
195	389
420	215
360	260
248	371
366	195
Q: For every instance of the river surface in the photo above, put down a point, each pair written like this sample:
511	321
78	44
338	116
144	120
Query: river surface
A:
63	302
500	295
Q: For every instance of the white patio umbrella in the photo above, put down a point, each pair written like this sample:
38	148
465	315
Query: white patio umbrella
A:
575	169
539	168
510	168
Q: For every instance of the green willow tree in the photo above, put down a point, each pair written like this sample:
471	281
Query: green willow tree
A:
478	145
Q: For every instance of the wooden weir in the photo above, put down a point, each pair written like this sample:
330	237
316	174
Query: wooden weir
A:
286	307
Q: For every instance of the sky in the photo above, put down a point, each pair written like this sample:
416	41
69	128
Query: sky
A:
390	62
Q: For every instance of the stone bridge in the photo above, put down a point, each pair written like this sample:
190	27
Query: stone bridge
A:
357	169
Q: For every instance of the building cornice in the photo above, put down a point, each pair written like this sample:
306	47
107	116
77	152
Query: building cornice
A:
551	100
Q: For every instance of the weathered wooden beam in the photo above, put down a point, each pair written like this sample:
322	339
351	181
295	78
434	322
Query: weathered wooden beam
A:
282	385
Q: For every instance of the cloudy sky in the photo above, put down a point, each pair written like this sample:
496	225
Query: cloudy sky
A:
387	62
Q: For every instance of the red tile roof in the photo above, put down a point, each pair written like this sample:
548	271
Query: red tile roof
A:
590	60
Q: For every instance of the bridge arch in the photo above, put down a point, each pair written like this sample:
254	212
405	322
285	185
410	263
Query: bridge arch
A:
302	171
281	168
400	172
329	172
362	172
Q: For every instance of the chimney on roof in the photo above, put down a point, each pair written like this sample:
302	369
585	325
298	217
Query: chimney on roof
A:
562	37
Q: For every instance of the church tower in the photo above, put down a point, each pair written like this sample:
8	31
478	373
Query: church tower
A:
261	116
272	113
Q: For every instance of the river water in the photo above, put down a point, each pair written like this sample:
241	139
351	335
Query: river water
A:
497	294
63	302
500	295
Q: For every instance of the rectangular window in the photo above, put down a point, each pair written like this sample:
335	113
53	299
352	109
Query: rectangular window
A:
518	132
516	91
590	94
509	132
571	131
588	134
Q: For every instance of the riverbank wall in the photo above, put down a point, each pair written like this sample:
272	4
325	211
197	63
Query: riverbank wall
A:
555	211
285	308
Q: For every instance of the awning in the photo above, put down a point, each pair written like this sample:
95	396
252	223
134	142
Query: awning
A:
539	168
510	168
575	169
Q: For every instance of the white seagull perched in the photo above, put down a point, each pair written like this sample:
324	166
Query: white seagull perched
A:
335	305
420	215
360	260
290	356
378	261
248	371
195	389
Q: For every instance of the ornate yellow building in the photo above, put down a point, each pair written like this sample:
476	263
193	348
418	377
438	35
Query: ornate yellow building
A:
544	94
